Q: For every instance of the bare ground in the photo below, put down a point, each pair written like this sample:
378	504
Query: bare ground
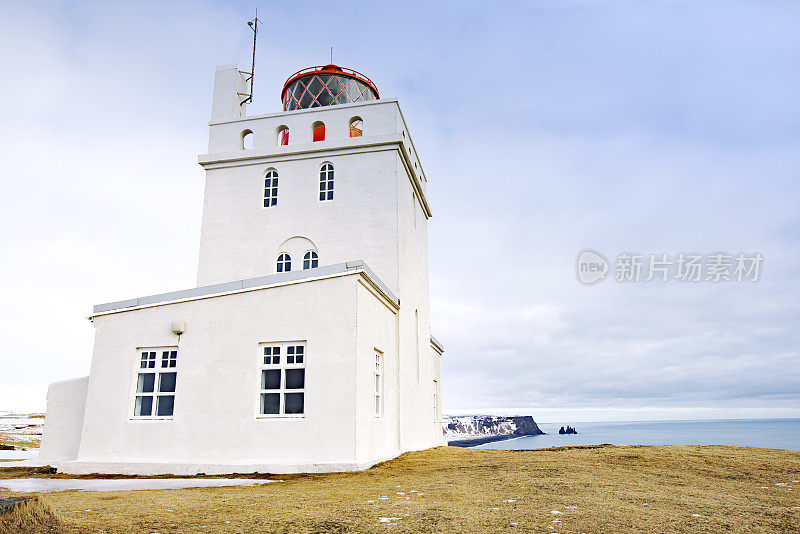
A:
595	489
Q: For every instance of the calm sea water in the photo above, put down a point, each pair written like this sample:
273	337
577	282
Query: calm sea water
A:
767	433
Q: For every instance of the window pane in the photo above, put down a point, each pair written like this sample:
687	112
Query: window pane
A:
322	196
299	358
293	402
378	405
271	379
295	378
289	350
144	406
270	403
165	405
289	359
299	349
377	384
146	383
166	382
276	359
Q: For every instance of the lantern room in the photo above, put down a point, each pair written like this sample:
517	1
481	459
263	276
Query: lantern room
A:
326	85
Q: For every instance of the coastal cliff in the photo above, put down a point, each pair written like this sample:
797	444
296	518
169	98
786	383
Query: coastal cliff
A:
469	430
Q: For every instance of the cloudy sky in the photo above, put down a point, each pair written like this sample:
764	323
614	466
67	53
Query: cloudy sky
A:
545	128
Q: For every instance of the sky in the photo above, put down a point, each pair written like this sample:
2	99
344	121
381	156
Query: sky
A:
545	128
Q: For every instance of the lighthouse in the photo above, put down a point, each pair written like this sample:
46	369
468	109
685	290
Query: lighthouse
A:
306	344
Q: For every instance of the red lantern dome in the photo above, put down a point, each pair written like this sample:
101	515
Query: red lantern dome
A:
326	85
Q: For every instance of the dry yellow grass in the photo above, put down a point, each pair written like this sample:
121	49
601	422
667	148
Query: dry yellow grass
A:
606	489
31	517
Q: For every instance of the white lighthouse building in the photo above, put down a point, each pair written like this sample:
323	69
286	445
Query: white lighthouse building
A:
306	344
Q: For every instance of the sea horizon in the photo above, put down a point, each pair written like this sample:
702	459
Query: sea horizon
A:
772	433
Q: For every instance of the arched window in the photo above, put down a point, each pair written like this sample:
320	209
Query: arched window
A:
310	260
271	188
284	263
247	139
326	182
282	135
318	131
356	127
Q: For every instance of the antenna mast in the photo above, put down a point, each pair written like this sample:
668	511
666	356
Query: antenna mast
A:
253	26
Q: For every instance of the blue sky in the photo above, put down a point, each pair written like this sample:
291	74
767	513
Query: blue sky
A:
544	127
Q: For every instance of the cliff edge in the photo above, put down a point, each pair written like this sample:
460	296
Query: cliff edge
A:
469	430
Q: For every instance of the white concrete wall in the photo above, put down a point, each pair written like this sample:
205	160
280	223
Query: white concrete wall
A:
63	423
241	239
215	427
226	103
377	437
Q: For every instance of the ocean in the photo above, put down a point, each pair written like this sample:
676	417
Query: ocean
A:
766	433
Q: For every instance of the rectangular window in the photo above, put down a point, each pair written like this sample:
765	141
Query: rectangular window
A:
378	401
155	383
282	368
271	188
436	400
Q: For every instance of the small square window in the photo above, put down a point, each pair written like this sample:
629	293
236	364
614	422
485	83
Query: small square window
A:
289	359
270	403
166	404
289	350
298	358
295	378
166	382
144	406
146	383
294	403
271	379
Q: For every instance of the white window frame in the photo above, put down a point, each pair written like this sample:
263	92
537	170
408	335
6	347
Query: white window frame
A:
285	263
283	365
326	179
158	366
270	199
310	258
378	394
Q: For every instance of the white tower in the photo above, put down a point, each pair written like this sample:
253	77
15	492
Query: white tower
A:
333	178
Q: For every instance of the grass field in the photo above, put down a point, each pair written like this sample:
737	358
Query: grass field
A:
591	489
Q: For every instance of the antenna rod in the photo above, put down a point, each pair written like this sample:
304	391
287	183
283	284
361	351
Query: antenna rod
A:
331	55
254	26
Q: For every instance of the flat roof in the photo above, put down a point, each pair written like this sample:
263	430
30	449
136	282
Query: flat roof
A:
250	284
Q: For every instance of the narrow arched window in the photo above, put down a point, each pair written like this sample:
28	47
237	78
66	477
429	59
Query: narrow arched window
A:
310	260
356	127
318	131
284	263
282	135
271	188
326	182
247	139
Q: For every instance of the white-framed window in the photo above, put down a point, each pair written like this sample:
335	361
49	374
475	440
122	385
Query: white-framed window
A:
378	383
282	379
271	188
284	263
156	379
310	260
326	182
435	400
